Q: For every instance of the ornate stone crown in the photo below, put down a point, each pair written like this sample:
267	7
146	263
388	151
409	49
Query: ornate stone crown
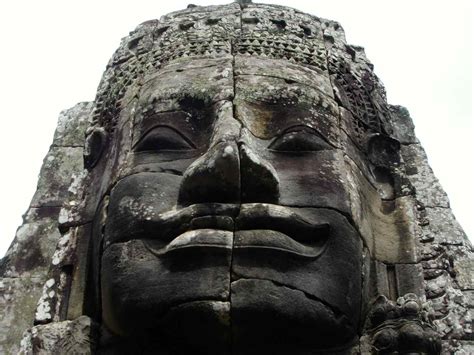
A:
266	31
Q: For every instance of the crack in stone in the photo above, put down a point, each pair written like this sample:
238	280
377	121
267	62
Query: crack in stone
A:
283	78
437	206
339	315
234	111
46	206
158	170
66	146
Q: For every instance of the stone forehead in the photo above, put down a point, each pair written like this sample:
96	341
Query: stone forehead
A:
267	31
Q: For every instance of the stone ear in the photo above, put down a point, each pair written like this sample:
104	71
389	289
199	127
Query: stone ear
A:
94	147
384	156
383	151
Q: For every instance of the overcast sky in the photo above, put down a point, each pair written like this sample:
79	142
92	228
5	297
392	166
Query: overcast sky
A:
54	53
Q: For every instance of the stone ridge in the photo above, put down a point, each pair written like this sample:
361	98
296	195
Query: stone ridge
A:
25	268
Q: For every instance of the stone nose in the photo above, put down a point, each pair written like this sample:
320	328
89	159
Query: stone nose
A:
258	179
214	177
229	172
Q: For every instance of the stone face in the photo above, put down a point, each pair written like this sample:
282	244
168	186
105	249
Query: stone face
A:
247	189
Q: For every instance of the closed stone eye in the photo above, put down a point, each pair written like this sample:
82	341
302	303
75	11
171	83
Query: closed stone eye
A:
299	139
163	138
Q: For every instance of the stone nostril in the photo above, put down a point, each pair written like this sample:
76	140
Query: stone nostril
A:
259	180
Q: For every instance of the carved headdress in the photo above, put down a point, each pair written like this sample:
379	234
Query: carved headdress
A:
267	31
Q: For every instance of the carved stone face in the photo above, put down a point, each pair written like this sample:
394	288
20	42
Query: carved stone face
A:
229	221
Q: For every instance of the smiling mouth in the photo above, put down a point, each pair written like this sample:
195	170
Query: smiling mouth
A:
258	227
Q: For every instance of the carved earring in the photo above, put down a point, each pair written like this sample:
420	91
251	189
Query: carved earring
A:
384	156
94	146
383	151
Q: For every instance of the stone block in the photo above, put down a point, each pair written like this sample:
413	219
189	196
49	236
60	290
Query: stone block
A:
428	189
72	125
464	269
18	297
56	176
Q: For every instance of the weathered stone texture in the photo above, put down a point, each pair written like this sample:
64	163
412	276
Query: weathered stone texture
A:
25	267
67	337
18	298
55	177
444	249
428	189
464	276
72	125
404	129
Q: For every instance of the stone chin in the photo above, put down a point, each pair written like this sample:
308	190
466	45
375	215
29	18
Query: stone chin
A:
277	317
261	315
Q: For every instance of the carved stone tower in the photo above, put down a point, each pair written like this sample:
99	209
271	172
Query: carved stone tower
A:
239	185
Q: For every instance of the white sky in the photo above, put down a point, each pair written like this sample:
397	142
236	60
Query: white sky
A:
54	53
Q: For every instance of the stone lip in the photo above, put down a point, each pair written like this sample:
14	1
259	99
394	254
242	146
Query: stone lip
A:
254	226
199	238
273	227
